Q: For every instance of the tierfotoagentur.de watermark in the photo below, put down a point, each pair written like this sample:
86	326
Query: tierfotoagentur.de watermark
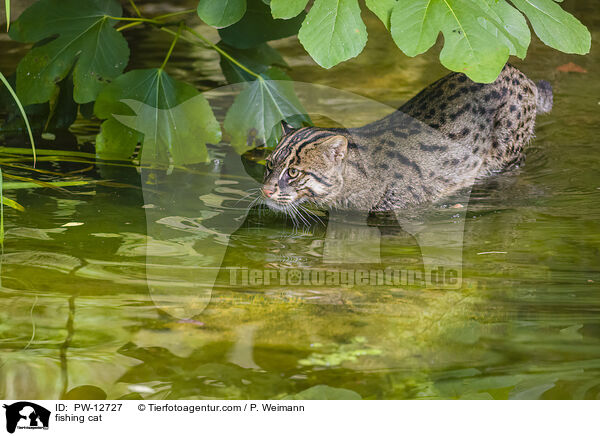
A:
342	277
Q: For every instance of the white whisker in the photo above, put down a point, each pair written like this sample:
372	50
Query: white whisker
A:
299	215
311	214
251	192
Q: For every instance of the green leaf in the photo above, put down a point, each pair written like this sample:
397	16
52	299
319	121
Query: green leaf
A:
478	36
256	114
116	141
257	59
556	27
221	13
11	203
383	10
415	25
175	119
333	31
258	26
507	24
324	392
38	184
287	8
7	10
86	42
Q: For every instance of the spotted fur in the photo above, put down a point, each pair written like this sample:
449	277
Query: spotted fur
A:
440	141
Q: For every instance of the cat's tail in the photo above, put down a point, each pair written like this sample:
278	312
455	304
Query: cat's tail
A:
545	97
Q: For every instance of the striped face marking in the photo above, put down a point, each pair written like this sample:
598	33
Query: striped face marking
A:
305	166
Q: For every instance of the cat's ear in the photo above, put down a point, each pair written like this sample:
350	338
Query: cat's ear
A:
336	148
286	128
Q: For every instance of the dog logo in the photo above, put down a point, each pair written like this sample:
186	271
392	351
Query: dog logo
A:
26	415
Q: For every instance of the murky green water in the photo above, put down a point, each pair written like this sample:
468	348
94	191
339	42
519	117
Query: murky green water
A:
79	303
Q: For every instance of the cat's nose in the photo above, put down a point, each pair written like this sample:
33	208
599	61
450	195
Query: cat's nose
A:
267	192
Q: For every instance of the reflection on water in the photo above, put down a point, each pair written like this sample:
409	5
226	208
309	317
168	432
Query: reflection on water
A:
78	319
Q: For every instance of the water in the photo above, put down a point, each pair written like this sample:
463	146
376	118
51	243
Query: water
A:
78	319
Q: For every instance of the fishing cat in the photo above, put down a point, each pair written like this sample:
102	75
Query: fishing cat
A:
446	137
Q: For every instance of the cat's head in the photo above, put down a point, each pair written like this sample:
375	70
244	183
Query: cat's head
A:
305	166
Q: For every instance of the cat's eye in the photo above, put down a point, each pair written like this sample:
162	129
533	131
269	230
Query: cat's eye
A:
293	172
269	165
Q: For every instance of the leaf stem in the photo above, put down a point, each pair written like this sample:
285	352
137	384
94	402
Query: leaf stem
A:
222	52
159	17
127	26
139	20
173	14
135	8
162	67
182	26
185	38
